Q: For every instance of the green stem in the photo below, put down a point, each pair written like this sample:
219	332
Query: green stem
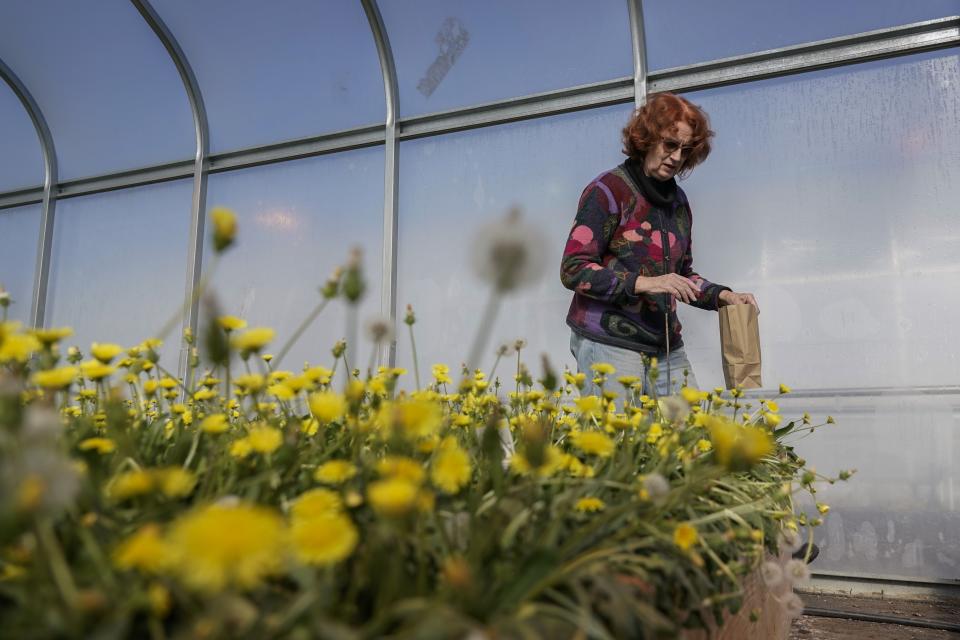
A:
59	568
190	301
416	364
483	331
317	310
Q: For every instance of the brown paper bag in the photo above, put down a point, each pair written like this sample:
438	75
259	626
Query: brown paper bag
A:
740	346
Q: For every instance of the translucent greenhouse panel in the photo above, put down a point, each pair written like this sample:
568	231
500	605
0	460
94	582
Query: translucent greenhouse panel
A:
450	187
274	71
110	93
118	268
298	221
19	233
456	53
682	32
833	196
21	159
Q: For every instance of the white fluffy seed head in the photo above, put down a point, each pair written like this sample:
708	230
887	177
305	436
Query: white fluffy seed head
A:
508	253
656	485
797	571
793	605
790	541
772	574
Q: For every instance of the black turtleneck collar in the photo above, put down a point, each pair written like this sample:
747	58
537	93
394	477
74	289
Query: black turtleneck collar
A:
660	193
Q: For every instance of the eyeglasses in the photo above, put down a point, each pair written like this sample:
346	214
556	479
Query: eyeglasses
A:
671	145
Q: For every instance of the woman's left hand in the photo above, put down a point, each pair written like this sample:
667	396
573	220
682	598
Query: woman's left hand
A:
732	297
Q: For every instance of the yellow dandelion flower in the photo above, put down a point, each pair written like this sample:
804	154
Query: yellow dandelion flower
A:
310	426
279	376
685	536
130	484
441	373
264	439
603	368
204	394
281	392
771	419
784	389
252	340
296	383
354	391
654	433
704	445
316	374
250	382
231	323
737	447
394	496
18	347
175	482
416	418
589	505
240	448
224	227
52	336
335	472
593	443
215	423
96	370
316	502
220	546
691	395
400	467
327	406
105	352
590	406
451	468
551	462
144	551
323	540
150	387
54	379
100	445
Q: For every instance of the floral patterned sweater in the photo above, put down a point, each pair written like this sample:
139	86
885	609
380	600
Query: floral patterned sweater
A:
624	229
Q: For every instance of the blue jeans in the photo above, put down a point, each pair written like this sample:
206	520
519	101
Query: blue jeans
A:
630	363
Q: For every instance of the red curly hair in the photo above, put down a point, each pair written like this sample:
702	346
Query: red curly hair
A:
660	115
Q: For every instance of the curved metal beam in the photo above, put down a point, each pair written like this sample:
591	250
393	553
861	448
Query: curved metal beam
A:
41	275
388	290
639	41
201	162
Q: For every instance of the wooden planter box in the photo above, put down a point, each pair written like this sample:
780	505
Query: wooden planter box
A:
773	622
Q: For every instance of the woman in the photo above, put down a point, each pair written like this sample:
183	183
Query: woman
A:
629	258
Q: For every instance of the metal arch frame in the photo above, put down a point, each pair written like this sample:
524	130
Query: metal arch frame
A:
638	41
201	129
388	290
847	50
41	275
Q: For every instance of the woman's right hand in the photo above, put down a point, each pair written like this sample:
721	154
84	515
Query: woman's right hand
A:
681	288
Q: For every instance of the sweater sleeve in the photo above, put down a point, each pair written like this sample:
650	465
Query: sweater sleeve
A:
709	297
582	269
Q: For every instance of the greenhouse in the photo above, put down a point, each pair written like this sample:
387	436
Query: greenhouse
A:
239	398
